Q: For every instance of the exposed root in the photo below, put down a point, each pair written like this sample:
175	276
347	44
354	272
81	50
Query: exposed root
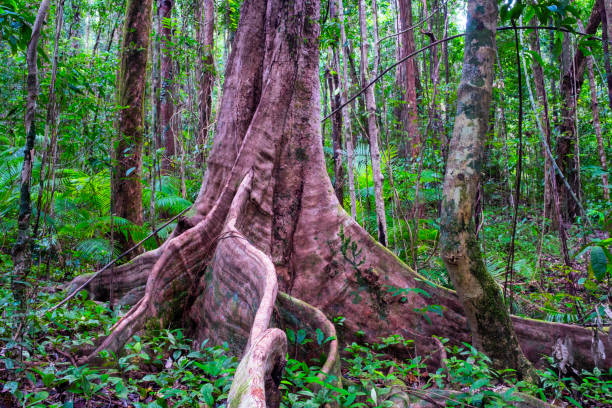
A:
259	373
121	279
297	314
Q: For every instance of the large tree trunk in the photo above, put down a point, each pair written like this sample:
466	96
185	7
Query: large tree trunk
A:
267	220
166	93
21	253
127	170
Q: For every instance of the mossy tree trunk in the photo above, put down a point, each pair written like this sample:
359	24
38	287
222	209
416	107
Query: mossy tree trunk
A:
486	313
128	144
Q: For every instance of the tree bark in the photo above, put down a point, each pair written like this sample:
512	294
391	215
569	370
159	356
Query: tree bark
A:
166	91
346	117
377	176
597	126
267	221
51	121
408	73
489	320
206	69
21	252
336	131
550	181
126	184
571	83
606	31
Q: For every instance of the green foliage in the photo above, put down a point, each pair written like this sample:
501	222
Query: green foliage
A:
15	24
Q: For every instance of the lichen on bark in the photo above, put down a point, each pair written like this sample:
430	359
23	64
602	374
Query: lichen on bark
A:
489	320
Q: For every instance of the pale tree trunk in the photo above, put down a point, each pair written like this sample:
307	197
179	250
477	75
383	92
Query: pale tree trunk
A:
267	221
372	125
21	252
346	116
597	126
489	320
166	91
408	74
128	144
205	69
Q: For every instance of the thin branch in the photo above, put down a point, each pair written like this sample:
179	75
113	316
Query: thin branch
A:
412	27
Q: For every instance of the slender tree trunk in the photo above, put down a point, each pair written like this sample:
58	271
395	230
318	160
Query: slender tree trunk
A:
128	144
51	120
597	126
205	69
571	83
21	253
408	72
552	208
335	91
346	117
489	321
606	31
166	92
372	127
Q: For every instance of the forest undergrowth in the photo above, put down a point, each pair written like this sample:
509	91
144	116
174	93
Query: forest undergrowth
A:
165	368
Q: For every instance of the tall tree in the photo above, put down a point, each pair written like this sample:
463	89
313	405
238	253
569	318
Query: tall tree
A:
372	125
408	75
333	83
128	143
267	220
552	205
21	253
166	91
606	25
206	67
597	125
571	84
489	320
346	116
